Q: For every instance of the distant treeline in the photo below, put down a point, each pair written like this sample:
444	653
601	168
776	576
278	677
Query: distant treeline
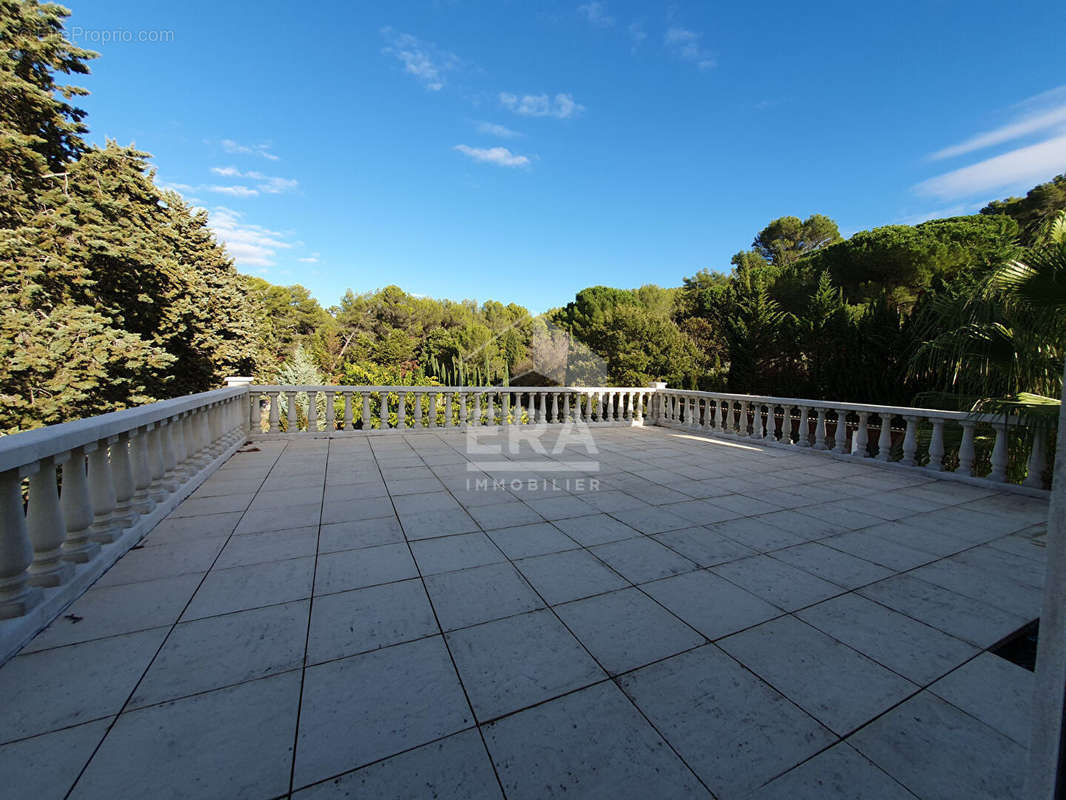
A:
116	292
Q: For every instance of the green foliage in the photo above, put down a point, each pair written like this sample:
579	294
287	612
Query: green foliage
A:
1042	203
787	239
901	261
113	291
40	131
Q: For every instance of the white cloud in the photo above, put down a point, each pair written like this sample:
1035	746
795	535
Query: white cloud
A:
230	146
1050	115
1020	167
596	13
540	105
492	129
311	259
425	61
249	245
500	156
686	45
268	184
277	185
233	191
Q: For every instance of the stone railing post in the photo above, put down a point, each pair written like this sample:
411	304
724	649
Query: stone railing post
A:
17	595
936	447
77	508
46	528
966	448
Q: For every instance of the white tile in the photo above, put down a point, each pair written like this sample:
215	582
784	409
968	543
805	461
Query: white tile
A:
515	662
354	569
68	685
627	629
234	742
45	767
711	604
833	683
703	696
220	651
591	743
454	767
371	706
935	750
480	594
353	622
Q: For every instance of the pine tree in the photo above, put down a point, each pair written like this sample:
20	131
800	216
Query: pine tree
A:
40	131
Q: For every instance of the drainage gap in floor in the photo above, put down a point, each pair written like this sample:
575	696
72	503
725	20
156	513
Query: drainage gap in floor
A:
1020	647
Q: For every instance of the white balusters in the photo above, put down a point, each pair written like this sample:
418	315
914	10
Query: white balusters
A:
292	420
122	473
17	596
861	438
384	411
999	455
819	429
936	447
477	410
366	420
102	494
46	528
448	420
884	440
274	414
1037	460
771	422
910	441
401	412
803	428
77	508
331	410
966	448
840	433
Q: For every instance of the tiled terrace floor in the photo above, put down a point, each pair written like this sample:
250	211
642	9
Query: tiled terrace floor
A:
349	619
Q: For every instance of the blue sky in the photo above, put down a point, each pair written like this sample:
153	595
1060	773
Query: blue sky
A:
522	151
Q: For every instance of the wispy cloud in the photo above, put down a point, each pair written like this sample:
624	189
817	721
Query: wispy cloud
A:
596	13
540	105
249	245
500	156
311	259
1026	165
232	191
262	150
1044	119
424	60
267	184
492	129
1038	126
687	45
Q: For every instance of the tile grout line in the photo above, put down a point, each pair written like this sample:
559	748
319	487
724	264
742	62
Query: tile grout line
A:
440	629
609	676
307	633
163	643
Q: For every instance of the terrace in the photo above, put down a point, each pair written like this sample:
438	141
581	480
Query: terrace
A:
349	591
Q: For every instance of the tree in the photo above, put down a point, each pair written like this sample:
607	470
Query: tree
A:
1040	205
786	239
40	132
